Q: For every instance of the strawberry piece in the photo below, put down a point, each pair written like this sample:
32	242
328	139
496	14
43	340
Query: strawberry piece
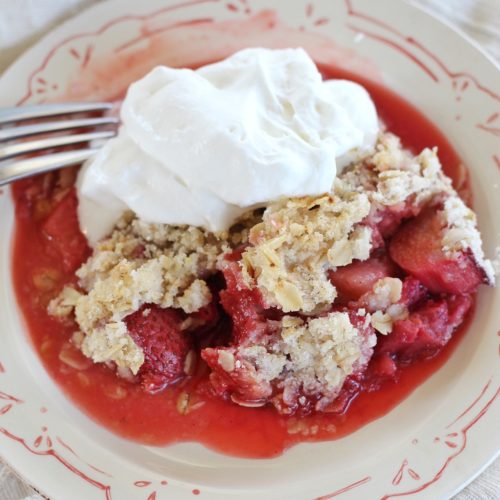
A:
358	278
157	332
235	377
205	320
417	248
382	366
207	316
413	292
244	305
63	231
388	220
347	395
427	329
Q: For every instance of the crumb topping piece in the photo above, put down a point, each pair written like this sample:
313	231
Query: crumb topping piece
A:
64	304
139	264
393	174
289	247
461	234
308	360
112	342
322	352
382	305
299	239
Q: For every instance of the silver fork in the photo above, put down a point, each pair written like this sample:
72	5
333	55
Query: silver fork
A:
12	164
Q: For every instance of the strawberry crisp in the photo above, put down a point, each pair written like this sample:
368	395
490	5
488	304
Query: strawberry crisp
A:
290	305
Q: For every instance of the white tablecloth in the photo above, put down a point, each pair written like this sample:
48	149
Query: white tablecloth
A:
23	22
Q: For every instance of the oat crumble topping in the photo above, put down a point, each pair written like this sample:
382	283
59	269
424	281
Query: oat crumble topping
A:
139	264
288	248
312	356
322	352
461	233
383	304
393	174
299	240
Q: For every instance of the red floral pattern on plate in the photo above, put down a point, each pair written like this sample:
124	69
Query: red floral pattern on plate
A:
458	78
43	445
454	440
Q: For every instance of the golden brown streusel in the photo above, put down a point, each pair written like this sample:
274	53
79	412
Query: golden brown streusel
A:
461	233
139	263
393	174
289	248
299	239
311	356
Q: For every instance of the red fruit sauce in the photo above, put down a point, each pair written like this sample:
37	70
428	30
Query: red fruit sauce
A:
160	419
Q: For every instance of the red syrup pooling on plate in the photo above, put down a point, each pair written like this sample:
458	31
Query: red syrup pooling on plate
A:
188	411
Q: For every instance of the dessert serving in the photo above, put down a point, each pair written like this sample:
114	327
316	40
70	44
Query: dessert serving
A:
256	249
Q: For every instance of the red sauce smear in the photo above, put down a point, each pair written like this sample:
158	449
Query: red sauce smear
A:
188	412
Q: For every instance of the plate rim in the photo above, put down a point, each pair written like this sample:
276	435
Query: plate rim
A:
409	3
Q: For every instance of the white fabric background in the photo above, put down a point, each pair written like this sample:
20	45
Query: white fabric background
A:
23	22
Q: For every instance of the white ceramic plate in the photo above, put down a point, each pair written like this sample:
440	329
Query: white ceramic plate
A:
432	444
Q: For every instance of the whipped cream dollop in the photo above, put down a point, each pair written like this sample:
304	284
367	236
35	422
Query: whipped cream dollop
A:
201	147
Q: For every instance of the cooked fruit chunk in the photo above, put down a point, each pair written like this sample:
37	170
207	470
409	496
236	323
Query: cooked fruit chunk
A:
428	328
386	220
204	320
417	247
244	305
382	366
157	332
63	230
301	367
349	392
236	377
413	292
358	278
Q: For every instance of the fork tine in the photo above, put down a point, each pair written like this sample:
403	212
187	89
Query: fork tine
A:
40	164
52	142
9	115
10	134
